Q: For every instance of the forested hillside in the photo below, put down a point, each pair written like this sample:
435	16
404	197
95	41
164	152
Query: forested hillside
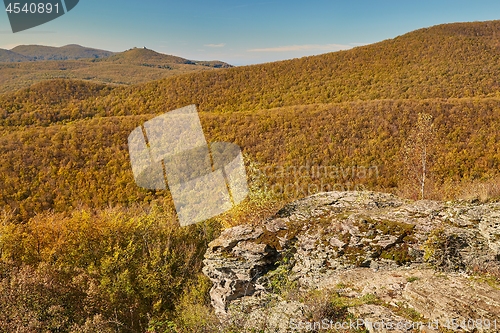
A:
449	61
36	63
339	121
345	109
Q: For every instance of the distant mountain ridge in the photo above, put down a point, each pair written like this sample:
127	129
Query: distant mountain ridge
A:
25	53
148	56
9	56
25	65
68	52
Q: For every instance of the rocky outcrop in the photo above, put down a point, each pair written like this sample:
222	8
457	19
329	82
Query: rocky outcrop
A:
370	259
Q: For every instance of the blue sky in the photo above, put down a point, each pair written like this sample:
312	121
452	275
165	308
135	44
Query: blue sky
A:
240	31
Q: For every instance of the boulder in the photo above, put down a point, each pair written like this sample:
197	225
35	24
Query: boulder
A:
361	258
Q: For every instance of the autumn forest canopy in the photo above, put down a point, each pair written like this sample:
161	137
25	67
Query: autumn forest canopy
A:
64	159
64	142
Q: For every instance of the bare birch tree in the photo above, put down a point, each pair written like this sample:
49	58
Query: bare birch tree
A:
418	151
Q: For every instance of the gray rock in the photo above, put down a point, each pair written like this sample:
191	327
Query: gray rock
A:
413	257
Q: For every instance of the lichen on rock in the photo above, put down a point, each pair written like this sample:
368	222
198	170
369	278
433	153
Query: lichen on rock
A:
413	257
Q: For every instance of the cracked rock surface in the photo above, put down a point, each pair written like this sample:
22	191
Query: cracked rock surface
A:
388	260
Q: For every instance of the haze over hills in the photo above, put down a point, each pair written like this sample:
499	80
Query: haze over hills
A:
35	63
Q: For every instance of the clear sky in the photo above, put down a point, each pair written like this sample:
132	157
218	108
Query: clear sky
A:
243	32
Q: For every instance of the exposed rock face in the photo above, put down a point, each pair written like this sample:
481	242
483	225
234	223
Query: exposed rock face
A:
386	259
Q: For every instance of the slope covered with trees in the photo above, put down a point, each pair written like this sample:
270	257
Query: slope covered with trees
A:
36	63
359	106
450	61
85	161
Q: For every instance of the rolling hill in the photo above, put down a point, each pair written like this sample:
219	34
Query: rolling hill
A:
68	52
147	57
34	63
143	55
